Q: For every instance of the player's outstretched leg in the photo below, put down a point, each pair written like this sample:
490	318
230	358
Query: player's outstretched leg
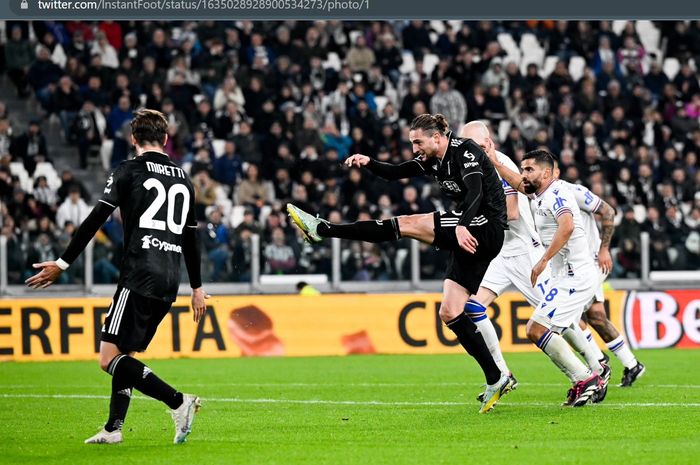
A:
316	229
616	343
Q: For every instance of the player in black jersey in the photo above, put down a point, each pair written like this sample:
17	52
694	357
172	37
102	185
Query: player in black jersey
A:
473	233
156	200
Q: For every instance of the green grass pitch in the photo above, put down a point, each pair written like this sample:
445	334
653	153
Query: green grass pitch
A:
356	410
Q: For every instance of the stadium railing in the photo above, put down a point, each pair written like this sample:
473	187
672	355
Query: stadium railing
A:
258	284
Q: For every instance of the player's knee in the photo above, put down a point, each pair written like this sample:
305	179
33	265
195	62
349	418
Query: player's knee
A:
105	359
596	315
534	330
450	310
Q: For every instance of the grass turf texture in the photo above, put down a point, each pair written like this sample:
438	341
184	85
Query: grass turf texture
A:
355	410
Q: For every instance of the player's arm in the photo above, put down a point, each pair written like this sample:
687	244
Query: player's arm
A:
191	251
470	170
513	178
512	208
50	271
565	227
607	228
389	171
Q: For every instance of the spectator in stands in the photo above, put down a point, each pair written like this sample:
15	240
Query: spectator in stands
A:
43	75
215	238
228	168
251	191
279	257
450	103
205	192
73	209
18	59
360	57
66	102
30	148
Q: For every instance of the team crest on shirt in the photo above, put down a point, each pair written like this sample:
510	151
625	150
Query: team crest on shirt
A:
469	156
108	188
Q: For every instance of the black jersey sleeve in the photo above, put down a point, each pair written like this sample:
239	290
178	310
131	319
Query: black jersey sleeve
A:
87	231
191	249
391	172
115	184
470	160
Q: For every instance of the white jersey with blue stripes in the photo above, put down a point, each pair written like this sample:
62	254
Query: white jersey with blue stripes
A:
574	258
521	236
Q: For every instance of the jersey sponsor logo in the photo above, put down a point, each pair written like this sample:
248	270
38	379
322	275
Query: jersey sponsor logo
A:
450	186
589	198
471	164
558	203
149	241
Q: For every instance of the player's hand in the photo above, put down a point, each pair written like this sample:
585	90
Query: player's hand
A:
465	239
537	271
605	260
357	160
199	306
46	277
491	153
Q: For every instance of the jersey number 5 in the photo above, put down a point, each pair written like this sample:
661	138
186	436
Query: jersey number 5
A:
147	220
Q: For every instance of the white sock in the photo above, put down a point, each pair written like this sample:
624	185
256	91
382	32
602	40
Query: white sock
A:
559	352
574	336
477	313
589	337
619	347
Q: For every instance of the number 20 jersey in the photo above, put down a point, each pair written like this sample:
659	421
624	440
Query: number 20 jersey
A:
156	199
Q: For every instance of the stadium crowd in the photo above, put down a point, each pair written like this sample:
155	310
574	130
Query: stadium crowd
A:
262	113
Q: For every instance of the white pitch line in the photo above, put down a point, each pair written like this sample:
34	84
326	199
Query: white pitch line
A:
372	403
334	385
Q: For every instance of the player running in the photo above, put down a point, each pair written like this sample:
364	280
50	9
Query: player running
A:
521	251
156	199
473	235
559	222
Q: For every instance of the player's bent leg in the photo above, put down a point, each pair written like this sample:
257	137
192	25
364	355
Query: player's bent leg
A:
420	227
600	322
476	310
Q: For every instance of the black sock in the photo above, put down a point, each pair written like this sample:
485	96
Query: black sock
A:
129	371
368	231
118	406
475	346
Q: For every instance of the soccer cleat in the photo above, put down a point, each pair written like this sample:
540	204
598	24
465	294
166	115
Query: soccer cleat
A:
494	392
514	382
105	437
583	391
306	222
603	390
605	359
183	416
630	375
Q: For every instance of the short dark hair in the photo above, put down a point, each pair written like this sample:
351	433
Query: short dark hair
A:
430	123
149	127
541	157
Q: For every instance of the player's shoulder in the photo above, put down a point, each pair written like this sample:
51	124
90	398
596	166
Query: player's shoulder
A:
558	188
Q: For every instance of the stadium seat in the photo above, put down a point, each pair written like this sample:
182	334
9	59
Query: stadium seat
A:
236	216
671	67
640	213
532	55
618	26
649	35
437	26
529	41
409	62
354	35
401	255
17	169
381	102
507	42
333	61
219	146
549	63
430	60
503	128
577	65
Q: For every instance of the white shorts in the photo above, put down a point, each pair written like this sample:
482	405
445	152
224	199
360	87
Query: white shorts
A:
599	292
506	271
565	301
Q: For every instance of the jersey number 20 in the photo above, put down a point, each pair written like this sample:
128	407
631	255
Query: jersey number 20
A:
148	222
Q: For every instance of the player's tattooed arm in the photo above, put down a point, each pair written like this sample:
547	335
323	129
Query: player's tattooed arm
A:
607	228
